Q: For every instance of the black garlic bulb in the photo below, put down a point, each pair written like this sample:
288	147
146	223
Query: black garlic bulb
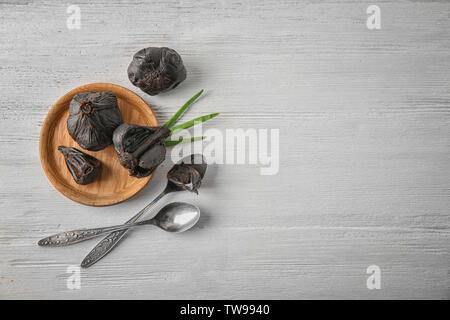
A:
93	118
83	167
140	149
156	70
188	175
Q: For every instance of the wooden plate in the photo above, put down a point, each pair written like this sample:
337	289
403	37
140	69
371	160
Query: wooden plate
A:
115	185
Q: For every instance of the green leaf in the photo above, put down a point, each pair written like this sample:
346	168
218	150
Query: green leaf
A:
178	114
171	143
193	122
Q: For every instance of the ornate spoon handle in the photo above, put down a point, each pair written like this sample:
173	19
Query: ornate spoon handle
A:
74	236
111	240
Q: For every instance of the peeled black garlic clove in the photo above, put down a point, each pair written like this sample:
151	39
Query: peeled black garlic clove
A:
140	149
198	162
188	176
93	118
156	70
83	167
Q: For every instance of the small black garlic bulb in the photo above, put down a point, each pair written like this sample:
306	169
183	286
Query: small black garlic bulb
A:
156	70
93	118
140	149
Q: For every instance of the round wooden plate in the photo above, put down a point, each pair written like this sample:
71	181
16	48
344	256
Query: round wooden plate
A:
115	185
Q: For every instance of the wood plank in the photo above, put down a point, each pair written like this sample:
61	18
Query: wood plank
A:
364	122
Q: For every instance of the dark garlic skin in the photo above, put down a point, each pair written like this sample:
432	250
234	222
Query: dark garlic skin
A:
83	167
155	70
93	118
188	176
140	149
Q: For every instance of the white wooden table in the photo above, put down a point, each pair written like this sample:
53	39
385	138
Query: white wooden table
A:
364	120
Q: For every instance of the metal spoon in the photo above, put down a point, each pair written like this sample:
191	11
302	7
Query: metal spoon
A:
174	217
111	240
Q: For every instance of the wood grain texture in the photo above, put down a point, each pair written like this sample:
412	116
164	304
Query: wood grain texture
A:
115	184
364	122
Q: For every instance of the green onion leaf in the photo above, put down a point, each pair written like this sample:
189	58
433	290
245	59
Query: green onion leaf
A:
178	114
193	122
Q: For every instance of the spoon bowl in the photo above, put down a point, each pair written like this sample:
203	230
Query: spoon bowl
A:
177	217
